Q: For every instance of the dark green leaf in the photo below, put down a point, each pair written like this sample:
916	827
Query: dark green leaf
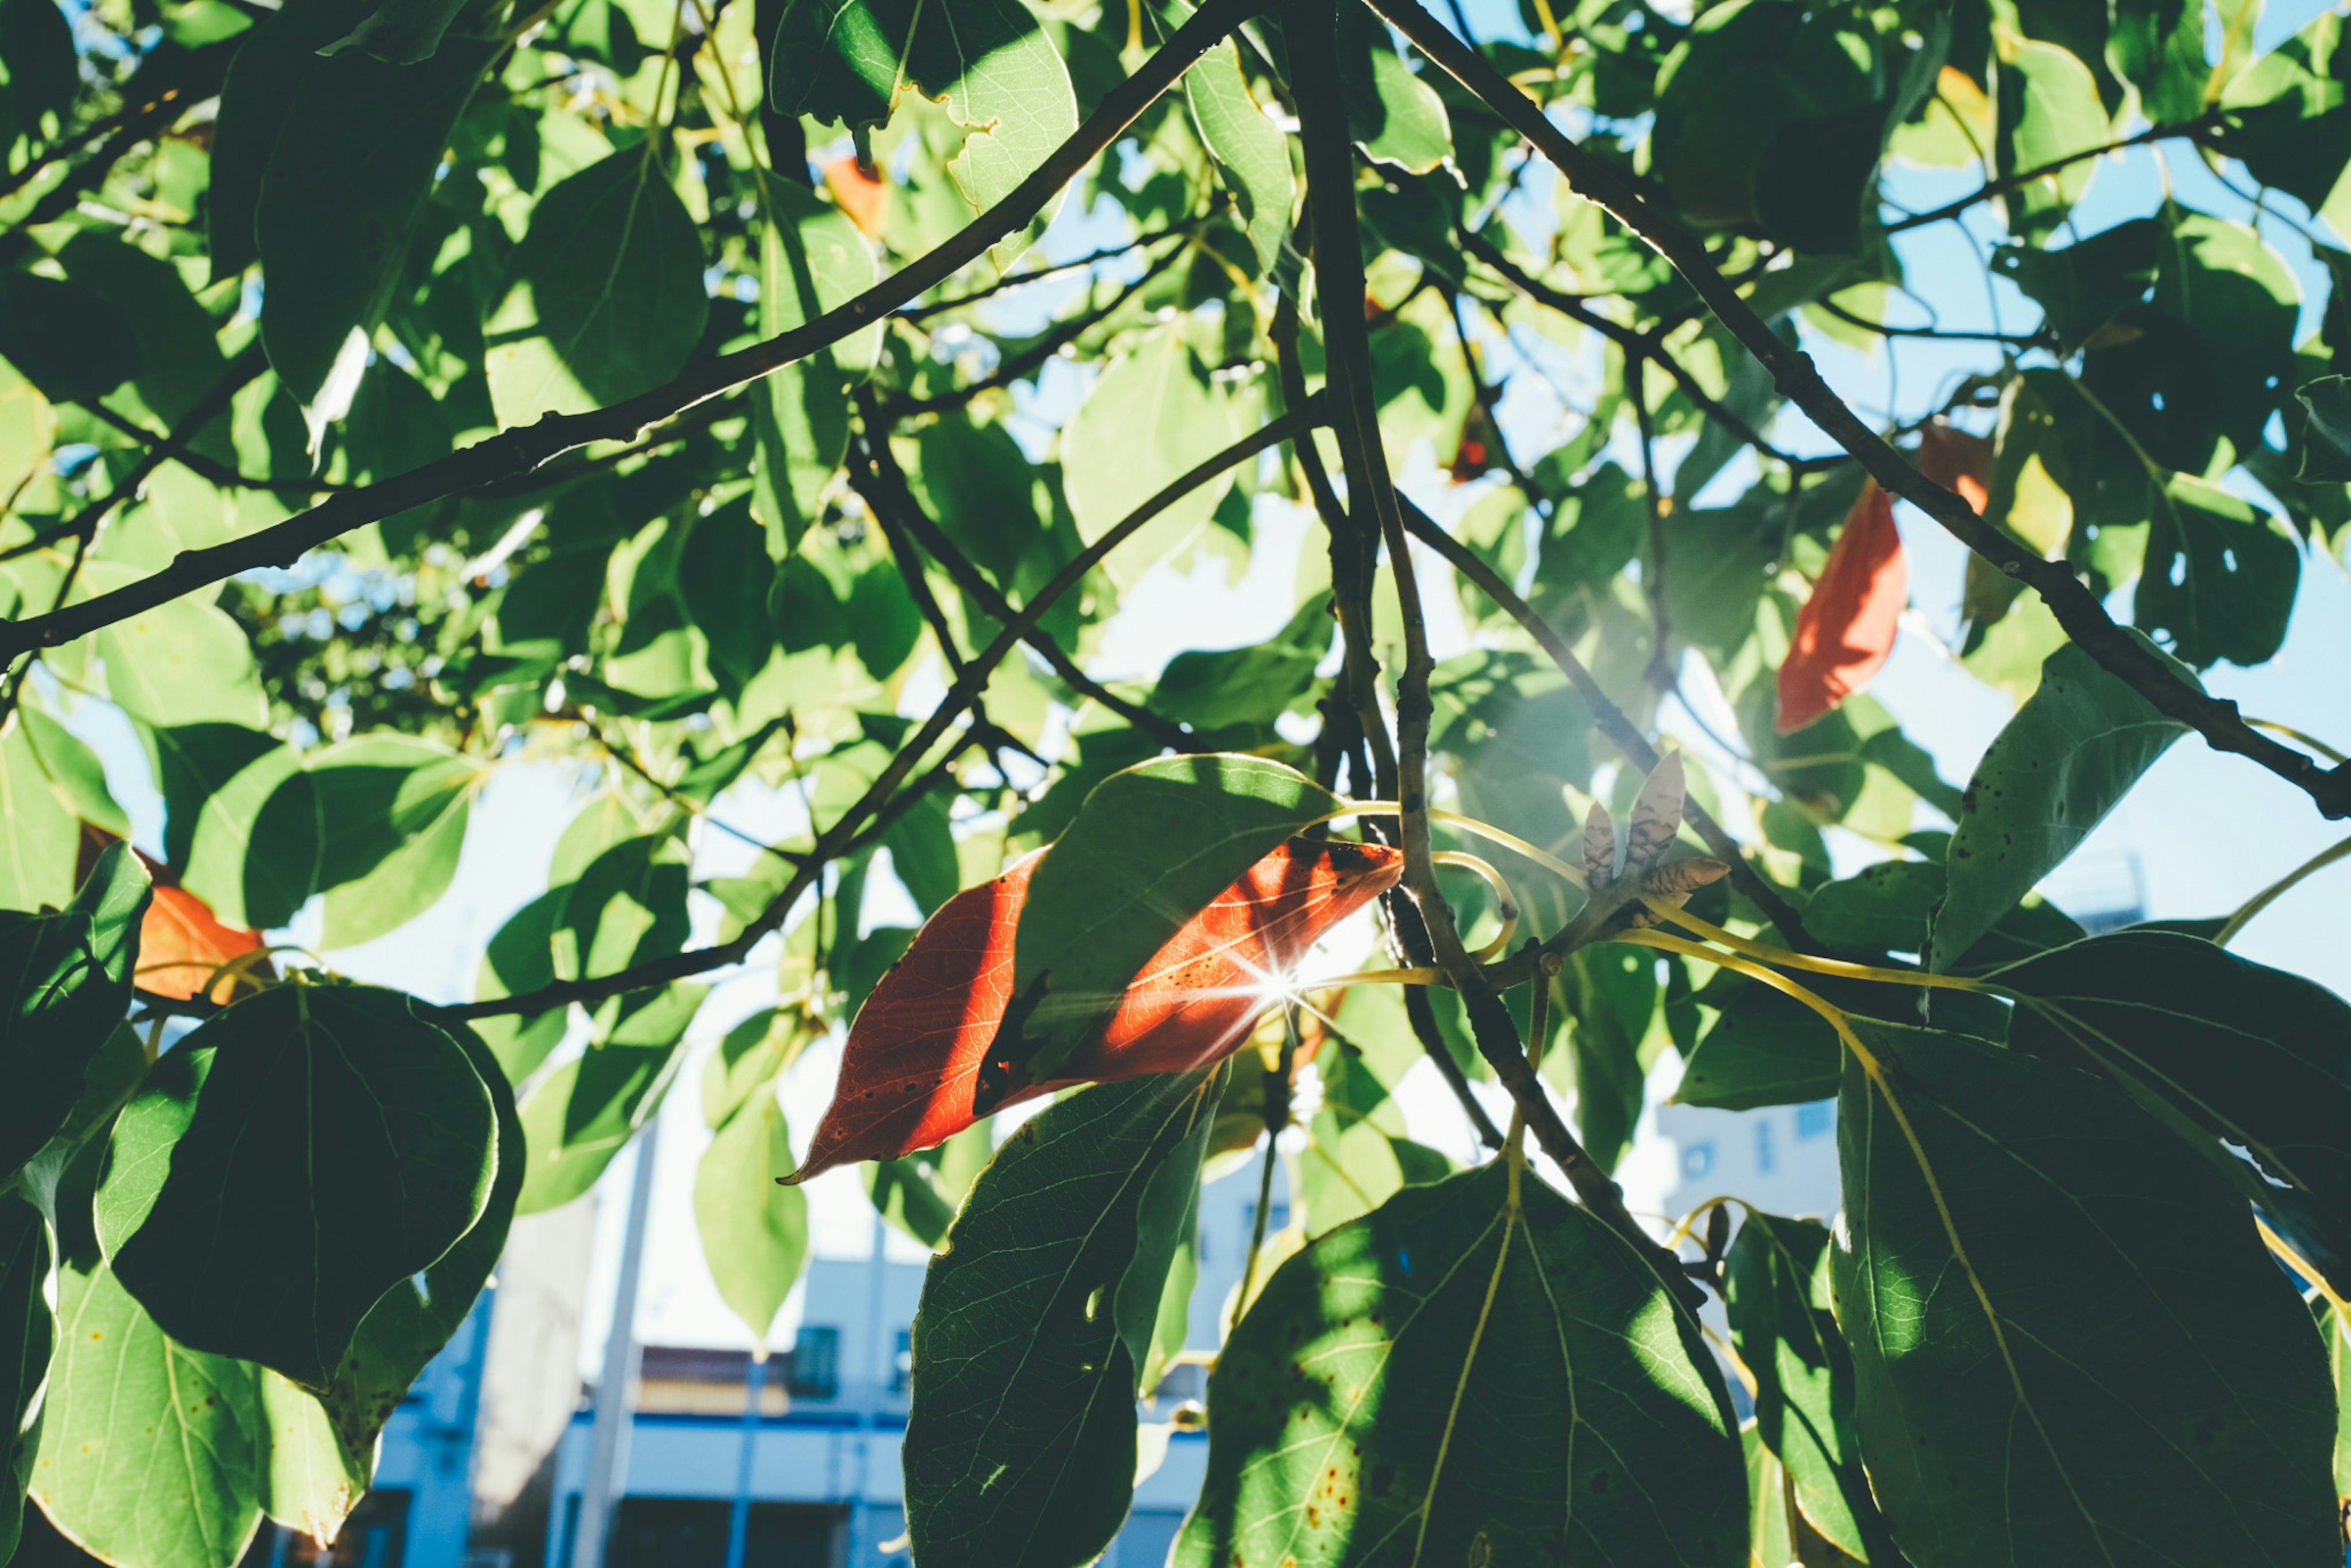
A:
2085	285
2065	761
921	1193
413	1320
36	49
2115	1369
2220	576
1035	1323
65	339
2287	118
1466	1378
65	984
287	1163
2326	437
179	361
1246	685
2258	1058
607	298
1885	909
521	959
353	156
27	1331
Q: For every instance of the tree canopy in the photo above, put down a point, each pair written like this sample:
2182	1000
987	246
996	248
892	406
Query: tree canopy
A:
779	400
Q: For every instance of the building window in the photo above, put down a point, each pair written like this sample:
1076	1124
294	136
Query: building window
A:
902	1363
1697	1160
815	1370
1764	1159
1817	1120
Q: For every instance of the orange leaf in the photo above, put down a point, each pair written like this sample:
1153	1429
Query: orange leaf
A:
915	1053
860	193
1957	461
1846	629
181	942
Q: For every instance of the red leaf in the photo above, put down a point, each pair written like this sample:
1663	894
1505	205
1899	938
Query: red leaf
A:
1846	629
1957	461
914	1052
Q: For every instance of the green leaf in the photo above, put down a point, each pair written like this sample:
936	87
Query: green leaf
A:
606	299
747	1060
811	259
273	62
2287	116
754	1231
2087	284
921	1193
1463	1377
2337	1334
627	907
2115	1369
28	1333
1885	909
1776	1288
62	337
402	31
323	1144
151	1452
1211	691
182	663
1150	417
37	50
353	158
1149	850
2048	110
2220	576
582	1113
2159	44
1393	115
1252	157
1762	1050
1035	1321
75	774
1609	995
179	360
241	820
988	62
520	958
411	1322
65	984
39	837
2065	761
394	809
2326	435
2256	1057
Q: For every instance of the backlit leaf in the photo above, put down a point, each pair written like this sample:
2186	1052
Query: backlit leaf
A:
1846	629
1464	1377
811	258
754	1231
917	1055
1151	416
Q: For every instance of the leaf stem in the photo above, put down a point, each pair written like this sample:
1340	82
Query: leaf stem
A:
2278	889
1837	966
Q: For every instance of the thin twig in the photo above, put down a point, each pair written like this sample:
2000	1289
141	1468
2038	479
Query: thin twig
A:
2077	609
844	835
885	490
1038	275
520	451
2023	177
1653	570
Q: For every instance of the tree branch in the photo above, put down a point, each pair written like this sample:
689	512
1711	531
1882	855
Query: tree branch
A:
1311	28
520	451
1038	275
2023	177
2075	607
844	835
885	488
